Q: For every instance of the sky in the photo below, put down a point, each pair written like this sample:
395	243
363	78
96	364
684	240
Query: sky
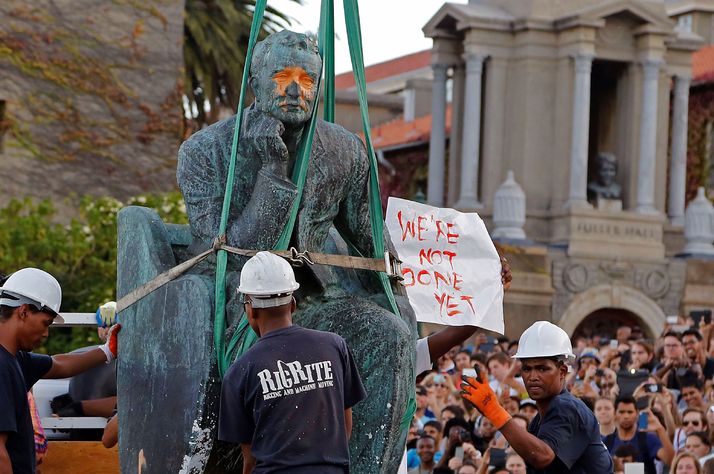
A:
390	28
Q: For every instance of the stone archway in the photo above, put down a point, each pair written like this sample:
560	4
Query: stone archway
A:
609	296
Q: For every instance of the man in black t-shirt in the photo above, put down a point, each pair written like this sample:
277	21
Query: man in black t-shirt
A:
288	400
29	302
564	436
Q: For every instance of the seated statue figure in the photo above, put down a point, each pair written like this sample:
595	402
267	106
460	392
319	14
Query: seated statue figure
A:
604	185
169	348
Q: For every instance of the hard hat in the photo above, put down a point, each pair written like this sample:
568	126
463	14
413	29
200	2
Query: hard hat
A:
32	286
269	279
544	339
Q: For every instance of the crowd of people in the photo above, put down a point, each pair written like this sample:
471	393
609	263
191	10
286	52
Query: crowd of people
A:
652	398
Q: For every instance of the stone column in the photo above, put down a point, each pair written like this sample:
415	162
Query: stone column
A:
468	194
580	133
493	158
437	143
648	138
457	126
678	165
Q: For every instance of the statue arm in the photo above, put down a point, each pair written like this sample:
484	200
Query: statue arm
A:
353	221
260	223
257	224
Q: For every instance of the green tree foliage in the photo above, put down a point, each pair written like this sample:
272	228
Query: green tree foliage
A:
82	255
215	41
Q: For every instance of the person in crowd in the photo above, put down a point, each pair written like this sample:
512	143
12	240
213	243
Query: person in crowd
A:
450	412
693	420
426	447
653	443
612	361
439	387
564	436
423	412
467	468
673	358
288	367
605	414
431	428
462	360
698	444
685	463
582	381
528	408
503	369
515	464
608	384
30	302
692	395
624	454
484	433
445	363
641	356
623	334
692	342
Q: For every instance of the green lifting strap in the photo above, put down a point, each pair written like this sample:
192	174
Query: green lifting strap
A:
354	39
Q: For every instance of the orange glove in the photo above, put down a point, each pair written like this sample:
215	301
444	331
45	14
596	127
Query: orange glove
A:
111	348
480	394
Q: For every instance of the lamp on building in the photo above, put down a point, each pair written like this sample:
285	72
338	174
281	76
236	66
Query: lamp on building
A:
509	210
699	225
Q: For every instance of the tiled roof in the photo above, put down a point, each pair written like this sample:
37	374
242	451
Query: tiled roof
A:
703	64
398	132
393	67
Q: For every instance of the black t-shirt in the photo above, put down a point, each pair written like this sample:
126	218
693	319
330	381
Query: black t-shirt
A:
571	430
17	376
286	396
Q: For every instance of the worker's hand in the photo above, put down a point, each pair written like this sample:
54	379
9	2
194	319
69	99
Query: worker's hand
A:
479	393
111	347
506	275
106	314
263	139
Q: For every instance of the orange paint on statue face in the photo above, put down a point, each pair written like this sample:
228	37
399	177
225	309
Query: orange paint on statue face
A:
283	79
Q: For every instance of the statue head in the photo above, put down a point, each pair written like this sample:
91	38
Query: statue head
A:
606	169
284	73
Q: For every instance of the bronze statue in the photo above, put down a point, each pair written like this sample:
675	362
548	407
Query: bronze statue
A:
333	216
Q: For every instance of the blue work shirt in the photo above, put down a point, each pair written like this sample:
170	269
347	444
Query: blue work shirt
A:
572	432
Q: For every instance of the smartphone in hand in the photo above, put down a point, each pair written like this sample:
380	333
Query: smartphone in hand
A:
642	422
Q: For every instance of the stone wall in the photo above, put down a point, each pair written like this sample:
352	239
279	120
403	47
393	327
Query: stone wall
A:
91	92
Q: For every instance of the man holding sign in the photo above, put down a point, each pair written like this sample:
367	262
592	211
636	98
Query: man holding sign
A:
452	273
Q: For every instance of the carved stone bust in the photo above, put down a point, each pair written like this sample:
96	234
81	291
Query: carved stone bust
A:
604	185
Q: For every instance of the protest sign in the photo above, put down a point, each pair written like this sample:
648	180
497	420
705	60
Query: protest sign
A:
451	270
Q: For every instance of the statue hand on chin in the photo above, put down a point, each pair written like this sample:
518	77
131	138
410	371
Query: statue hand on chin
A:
263	141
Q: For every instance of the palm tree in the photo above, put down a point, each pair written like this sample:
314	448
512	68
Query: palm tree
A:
215	41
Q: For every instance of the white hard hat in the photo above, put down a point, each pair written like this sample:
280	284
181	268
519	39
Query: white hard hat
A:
544	339
269	279
32	286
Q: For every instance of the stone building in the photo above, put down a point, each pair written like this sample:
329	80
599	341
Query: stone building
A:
548	88
90	97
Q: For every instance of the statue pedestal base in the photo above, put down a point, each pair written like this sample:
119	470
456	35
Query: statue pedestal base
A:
612	235
609	205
